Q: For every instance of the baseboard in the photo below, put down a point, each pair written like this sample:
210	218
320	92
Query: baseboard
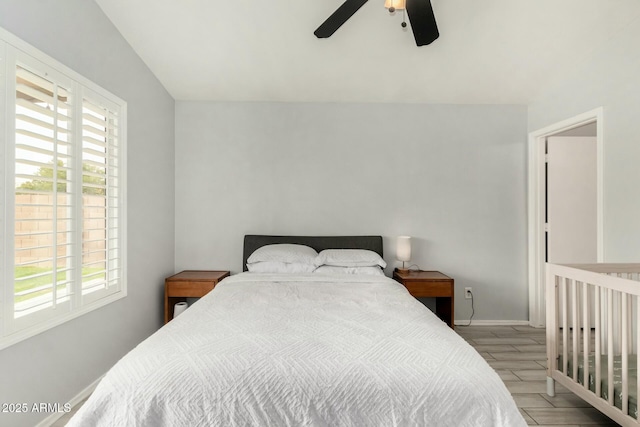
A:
47	422
491	322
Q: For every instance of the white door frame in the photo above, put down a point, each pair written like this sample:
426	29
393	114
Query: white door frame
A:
536	204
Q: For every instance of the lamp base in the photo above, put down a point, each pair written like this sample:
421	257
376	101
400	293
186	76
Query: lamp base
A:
402	270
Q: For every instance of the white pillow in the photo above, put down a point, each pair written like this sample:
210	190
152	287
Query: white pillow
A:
284	252
280	267
350	258
366	271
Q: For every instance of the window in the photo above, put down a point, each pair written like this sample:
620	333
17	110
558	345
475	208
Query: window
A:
63	161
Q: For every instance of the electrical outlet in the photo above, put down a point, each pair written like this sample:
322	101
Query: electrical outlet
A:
467	293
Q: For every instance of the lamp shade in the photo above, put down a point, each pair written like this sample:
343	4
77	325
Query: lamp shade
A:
397	4
403	249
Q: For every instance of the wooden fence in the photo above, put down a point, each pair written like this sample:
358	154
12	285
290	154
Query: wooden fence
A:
34	229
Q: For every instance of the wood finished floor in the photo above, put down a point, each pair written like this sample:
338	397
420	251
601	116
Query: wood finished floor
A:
518	354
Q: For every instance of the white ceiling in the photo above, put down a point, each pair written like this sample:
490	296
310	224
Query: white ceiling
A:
489	51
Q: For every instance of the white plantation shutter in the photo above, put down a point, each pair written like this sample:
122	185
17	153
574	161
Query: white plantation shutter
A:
63	250
43	229
100	198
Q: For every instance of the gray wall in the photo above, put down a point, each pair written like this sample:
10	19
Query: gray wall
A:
609	79
453	177
55	365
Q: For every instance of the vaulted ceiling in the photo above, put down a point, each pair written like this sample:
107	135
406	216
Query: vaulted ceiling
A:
489	51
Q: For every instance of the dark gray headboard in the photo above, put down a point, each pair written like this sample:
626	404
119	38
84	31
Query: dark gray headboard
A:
319	243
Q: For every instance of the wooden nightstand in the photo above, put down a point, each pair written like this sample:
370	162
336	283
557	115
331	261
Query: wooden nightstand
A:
188	284
431	284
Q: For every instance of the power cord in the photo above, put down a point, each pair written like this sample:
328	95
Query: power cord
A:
473	311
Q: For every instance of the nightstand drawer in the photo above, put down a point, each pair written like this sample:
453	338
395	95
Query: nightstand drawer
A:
189	289
429	289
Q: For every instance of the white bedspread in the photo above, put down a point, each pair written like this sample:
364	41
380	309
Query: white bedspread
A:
302	350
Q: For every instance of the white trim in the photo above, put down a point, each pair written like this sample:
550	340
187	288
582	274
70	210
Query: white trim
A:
74	401
536	204
4	137
464	322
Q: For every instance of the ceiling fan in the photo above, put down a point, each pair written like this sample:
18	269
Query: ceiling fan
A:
423	21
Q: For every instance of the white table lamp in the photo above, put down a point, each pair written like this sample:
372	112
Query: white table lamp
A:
403	251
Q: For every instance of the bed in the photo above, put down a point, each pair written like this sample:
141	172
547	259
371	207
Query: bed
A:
593	331
303	349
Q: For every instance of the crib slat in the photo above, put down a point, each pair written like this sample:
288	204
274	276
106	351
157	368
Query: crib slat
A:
565	327
598	343
587	335
630	322
576	328
610	345
625	353
556	316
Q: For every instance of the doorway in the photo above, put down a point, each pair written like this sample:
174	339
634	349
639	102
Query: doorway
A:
560	139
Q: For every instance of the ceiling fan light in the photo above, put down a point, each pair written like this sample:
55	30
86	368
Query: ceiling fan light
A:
395	4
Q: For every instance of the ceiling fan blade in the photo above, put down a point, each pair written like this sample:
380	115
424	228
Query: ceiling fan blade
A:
339	17
423	21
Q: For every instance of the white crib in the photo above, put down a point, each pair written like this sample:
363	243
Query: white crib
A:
584	354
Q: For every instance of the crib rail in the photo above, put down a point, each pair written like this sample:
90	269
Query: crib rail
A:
593	318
